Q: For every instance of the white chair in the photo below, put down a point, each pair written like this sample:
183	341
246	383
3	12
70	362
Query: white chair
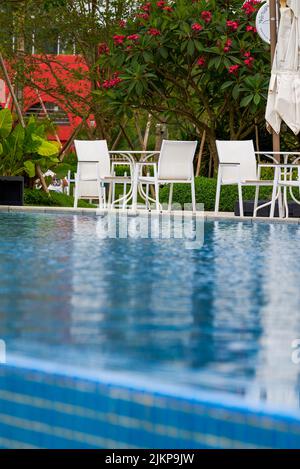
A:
175	165
287	176
238	165
94	171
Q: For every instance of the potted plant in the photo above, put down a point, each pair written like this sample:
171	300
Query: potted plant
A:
23	149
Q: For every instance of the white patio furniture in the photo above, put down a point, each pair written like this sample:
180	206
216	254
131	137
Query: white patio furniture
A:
238	165
287	176
95	170
135	157
175	165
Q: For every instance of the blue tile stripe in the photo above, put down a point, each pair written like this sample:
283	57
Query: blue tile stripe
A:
42	409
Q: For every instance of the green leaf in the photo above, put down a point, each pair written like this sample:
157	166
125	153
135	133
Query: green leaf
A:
45	148
163	52
6	122
226	85
236	92
61	170
1	149
186	27
256	99
191	47
148	57
247	100
29	168
198	45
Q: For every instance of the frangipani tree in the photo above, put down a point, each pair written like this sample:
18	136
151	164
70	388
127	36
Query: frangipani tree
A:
201	60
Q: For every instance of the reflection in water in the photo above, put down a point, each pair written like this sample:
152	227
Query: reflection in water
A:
221	317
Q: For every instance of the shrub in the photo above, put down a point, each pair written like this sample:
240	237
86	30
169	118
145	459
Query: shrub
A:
206	193
55	199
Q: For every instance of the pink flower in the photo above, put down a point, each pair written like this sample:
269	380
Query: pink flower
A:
227	45
118	39
154	32
110	83
160	4
248	60
143	16
251	28
103	48
201	61
206	16
233	69
168	8
122	23
233	25
249	6
197	27
146	6
133	37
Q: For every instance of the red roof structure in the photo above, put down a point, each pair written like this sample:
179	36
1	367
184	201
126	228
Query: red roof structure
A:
57	86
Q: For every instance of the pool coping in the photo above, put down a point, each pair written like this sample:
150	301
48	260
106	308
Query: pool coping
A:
205	215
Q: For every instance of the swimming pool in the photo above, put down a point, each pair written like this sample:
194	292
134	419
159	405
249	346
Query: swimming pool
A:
218	323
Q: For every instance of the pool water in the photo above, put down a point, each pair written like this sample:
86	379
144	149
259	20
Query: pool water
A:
223	317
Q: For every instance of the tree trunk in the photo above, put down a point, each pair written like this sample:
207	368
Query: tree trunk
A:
200	153
213	154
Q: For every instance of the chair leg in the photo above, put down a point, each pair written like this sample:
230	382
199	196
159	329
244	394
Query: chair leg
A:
286	202
104	197
75	196
100	196
109	195
135	189
218	193
240	190
170	197
256	201
193	195
156	195
274	195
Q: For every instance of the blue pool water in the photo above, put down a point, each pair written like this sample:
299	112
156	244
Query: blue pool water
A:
222	317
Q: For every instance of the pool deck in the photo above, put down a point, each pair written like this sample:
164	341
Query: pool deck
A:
229	216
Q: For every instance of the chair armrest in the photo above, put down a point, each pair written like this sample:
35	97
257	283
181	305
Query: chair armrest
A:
229	164
267	165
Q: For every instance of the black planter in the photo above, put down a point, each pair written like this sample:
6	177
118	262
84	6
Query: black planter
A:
294	209
11	190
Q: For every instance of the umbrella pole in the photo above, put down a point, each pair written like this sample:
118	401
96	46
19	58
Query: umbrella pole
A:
273	36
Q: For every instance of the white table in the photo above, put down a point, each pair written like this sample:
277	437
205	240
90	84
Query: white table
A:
133	158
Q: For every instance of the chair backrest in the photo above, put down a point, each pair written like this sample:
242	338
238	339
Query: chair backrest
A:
176	160
92	156
237	151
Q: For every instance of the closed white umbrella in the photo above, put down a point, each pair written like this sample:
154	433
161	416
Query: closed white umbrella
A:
284	90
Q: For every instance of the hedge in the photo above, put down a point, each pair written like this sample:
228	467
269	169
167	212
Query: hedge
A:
38	197
206	193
